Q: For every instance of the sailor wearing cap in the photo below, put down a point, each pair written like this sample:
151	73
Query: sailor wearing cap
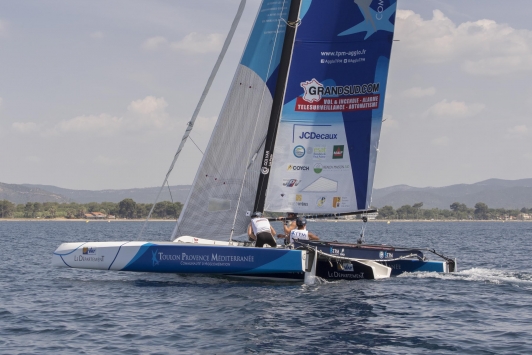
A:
301	232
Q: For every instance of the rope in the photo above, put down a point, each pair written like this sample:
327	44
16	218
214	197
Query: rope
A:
195	145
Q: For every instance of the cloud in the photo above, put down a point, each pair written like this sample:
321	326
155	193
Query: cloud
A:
199	43
142	114
149	111
454	109
482	47
97	35
516	132
24	127
154	43
1	101
440	142
417	92
103	123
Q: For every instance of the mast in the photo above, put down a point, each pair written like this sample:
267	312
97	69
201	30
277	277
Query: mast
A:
282	76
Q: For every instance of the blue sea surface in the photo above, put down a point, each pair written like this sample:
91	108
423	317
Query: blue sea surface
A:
484	308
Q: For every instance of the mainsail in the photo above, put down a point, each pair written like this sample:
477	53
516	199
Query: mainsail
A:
224	190
328	136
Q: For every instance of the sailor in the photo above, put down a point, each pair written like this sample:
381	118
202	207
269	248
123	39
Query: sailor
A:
289	224
301	232
261	231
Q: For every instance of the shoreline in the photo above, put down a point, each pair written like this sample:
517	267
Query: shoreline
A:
173	221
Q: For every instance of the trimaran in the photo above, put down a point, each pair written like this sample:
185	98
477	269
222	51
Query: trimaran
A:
311	84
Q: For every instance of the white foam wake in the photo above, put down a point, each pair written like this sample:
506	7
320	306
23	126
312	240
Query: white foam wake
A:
479	275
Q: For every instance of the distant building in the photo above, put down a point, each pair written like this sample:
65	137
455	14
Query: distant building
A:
95	215
524	216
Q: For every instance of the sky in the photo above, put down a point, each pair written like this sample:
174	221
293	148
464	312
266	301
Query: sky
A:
96	94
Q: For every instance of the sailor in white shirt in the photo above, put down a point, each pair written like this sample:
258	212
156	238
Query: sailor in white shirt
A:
261	231
301	232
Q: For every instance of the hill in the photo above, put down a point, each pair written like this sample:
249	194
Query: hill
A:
25	193
496	193
140	195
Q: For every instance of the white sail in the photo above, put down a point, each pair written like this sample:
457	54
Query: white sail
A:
224	190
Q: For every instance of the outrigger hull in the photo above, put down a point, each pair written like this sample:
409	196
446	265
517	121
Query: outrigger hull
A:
169	257
343	260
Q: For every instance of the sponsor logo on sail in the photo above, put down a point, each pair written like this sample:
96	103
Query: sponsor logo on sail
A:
299	201
314	90
318	168
319	153
340	202
321	201
298	167
320	98
89	251
314	135
299	151
338	152
291	182
336	167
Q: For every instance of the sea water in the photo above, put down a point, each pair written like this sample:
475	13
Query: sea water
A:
484	308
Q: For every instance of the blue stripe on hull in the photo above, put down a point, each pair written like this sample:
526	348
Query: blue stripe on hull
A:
214	260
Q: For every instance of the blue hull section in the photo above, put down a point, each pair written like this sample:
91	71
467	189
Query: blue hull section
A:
178	258
214	260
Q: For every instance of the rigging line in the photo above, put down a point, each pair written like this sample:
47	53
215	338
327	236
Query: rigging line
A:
255	128
252	160
190	124
196	145
170	191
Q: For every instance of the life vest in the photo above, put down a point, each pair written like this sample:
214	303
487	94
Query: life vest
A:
298	234
260	225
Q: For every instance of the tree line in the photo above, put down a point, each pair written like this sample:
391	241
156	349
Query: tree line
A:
126	208
130	209
457	211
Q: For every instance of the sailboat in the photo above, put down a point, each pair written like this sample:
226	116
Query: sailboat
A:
298	132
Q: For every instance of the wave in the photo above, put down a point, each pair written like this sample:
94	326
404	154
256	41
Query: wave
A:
479	275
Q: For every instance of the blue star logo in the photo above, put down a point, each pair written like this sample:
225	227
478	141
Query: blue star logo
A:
373	20
154	258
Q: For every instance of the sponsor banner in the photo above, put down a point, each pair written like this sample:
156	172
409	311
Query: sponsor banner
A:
213	259
347	104
333	106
